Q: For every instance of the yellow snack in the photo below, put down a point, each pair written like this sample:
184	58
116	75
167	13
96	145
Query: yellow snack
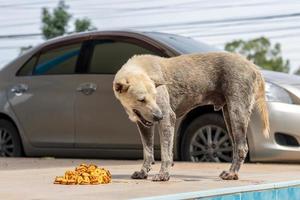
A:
79	179
58	179
86	180
91	168
85	175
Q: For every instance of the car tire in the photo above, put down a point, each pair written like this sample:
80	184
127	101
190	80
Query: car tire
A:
206	140
10	142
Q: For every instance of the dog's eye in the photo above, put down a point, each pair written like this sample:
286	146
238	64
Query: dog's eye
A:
142	100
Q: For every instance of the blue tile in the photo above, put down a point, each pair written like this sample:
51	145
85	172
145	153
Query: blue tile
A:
289	193
292	193
259	195
225	197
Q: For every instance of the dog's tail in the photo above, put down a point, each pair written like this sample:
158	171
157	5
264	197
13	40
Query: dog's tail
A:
262	107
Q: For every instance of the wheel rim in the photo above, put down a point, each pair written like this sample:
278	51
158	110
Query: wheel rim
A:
6	143
210	143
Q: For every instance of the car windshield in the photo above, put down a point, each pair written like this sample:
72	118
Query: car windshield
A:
182	44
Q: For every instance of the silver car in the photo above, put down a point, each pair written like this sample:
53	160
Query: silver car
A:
57	100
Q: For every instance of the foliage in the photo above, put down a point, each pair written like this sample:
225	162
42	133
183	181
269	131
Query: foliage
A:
261	52
25	49
298	71
83	25
56	23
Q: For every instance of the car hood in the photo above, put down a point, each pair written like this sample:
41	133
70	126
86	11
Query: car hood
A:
281	78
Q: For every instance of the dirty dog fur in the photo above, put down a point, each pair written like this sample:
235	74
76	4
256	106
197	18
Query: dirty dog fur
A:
155	91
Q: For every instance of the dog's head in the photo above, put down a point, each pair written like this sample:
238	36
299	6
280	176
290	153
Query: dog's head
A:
137	94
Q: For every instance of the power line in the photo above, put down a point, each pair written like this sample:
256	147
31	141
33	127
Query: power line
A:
24	4
20	35
244	19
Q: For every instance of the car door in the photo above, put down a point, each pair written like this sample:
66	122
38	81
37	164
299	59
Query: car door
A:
100	119
42	96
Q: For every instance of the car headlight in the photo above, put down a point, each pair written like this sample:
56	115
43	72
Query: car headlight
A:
277	94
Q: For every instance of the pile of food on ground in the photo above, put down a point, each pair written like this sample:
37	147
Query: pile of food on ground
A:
85	175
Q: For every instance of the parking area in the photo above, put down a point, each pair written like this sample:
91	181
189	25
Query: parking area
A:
32	178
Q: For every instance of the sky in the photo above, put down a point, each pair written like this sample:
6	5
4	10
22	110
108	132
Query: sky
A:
214	22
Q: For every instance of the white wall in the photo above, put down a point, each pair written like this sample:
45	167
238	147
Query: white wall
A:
212	21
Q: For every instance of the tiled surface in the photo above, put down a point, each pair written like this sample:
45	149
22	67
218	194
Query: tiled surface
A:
269	194
225	197
291	193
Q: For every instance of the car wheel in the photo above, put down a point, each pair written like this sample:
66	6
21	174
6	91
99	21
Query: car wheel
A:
10	143
206	140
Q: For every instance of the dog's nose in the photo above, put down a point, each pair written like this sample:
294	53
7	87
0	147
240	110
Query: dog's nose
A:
157	117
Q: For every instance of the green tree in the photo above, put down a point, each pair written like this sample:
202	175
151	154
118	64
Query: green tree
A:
261	52
298	71
56	23
24	49
84	24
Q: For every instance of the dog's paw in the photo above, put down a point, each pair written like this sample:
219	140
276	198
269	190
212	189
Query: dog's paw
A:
139	175
227	175
161	177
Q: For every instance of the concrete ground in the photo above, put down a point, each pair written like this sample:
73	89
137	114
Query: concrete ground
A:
32	178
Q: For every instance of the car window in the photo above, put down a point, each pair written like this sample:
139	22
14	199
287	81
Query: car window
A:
109	56
61	60
27	69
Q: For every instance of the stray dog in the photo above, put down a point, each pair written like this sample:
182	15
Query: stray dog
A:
155	89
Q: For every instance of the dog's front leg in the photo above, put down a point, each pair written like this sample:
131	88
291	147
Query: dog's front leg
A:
166	133
147	136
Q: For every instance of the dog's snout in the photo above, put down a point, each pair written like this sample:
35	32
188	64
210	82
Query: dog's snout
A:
157	117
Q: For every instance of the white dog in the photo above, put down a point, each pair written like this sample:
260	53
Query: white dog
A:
155	89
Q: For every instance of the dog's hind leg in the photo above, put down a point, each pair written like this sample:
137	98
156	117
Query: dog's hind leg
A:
228	125
238	116
166	133
147	137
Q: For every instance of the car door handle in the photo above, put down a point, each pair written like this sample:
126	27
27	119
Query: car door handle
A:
87	88
19	89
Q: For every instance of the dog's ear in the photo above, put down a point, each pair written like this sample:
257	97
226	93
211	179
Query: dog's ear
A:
121	86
